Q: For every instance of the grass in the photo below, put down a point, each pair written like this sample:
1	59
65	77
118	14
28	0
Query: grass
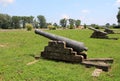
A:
17	48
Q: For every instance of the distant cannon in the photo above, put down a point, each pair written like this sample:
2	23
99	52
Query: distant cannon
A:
107	30
96	30
98	34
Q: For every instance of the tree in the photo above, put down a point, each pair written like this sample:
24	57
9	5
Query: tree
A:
42	21
24	20
118	17
107	25
63	22
71	23
35	23
27	19
113	24
85	26
55	24
30	19
77	23
95	26
16	22
5	21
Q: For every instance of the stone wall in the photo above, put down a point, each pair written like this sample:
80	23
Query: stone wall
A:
57	50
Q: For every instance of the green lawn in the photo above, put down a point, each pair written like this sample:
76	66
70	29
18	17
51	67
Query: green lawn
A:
17	48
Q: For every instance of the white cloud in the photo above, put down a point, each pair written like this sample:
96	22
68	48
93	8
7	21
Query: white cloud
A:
85	11
117	2
6	2
65	16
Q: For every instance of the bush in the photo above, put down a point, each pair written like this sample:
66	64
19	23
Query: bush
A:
51	27
97	27
116	26
71	27
85	26
29	27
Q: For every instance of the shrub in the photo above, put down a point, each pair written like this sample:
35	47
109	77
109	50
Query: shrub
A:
117	26
51	27
71	27
97	27
29	27
85	26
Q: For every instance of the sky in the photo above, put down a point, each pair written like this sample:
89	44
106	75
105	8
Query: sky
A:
88	11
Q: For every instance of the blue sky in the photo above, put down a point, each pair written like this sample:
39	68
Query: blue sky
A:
88	11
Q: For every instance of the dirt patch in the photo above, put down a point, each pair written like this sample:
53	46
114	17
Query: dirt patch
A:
96	72
3	45
33	62
10	30
1	78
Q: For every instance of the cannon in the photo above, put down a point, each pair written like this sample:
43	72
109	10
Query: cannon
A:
96	30
63	49
98	34
77	46
107	30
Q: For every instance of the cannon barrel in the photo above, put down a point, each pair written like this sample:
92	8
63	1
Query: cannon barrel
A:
106	28
96	30
77	46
